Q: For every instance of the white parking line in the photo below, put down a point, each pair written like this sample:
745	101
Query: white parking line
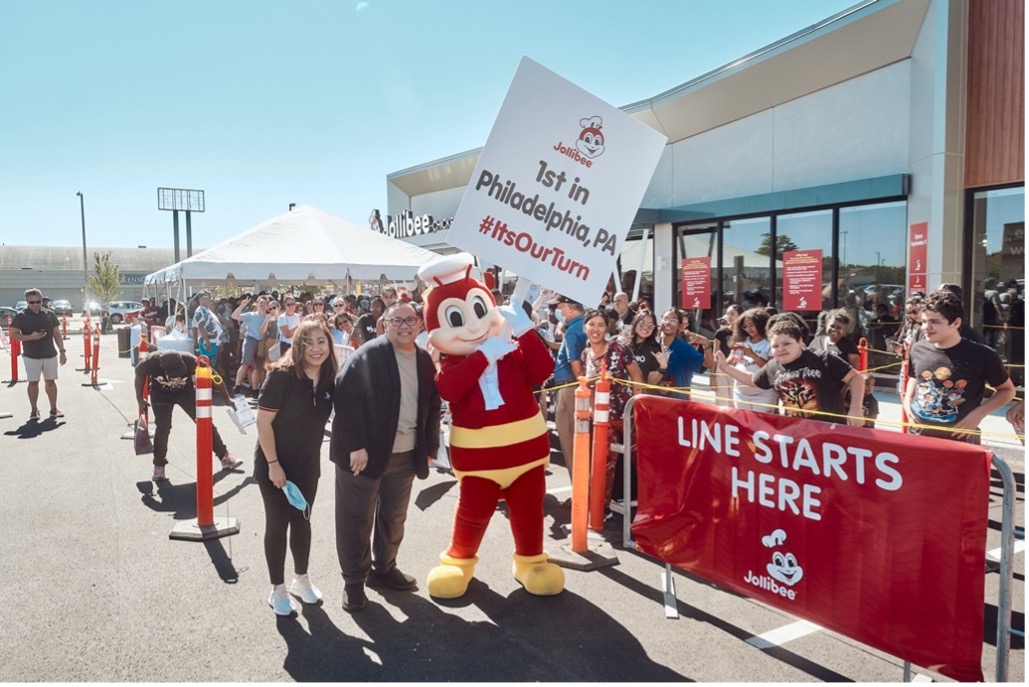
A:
995	553
781	635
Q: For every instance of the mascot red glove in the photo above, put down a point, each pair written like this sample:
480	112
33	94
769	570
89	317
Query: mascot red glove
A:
499	443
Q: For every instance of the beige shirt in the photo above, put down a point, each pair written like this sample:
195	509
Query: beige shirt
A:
407	425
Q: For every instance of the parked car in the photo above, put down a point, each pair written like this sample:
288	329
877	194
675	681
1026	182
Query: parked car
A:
93	307
4	312
21	305
123	311
62	307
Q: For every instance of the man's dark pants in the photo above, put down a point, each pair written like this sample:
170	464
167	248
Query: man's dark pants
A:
163	418
367	506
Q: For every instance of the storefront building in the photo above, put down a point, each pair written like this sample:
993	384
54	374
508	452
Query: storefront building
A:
889	137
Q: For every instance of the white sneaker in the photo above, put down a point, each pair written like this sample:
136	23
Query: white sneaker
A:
280	601
302	588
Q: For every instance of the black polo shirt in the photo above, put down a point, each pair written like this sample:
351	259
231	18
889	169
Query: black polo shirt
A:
29	322
299	425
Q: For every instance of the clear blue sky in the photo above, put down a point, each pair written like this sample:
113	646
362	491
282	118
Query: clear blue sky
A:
262	103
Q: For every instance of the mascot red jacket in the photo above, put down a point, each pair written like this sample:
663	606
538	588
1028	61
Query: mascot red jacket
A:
499	443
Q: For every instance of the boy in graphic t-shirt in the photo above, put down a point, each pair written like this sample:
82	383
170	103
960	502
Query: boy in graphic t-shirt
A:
806	382
948	375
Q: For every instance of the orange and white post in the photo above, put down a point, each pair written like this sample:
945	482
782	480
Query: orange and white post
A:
15	351
143	351
87	347
205	473
601	414
581	468
96	356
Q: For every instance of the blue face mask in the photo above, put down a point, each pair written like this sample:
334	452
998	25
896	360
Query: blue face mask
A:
296	499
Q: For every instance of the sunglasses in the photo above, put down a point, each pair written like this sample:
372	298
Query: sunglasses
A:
318	303
34	302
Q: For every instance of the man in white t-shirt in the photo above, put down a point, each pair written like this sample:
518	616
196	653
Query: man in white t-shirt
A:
288	323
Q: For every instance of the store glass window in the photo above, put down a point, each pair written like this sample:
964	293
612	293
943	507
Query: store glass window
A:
805	231
637	259
998	273
746	262
872	269
698	241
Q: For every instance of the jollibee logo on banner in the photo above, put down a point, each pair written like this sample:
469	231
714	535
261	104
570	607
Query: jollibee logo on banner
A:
842	526
557	185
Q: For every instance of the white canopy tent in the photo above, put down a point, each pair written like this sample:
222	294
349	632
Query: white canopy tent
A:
303	245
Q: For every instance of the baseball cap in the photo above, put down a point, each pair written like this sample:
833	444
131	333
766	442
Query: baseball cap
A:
558	299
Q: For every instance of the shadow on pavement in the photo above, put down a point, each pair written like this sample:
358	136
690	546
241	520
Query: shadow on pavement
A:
223	565
430	495
181	499
324	653
34	428
577	642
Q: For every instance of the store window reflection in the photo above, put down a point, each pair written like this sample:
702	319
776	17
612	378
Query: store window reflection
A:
636	263
746	262
998	273
805	231
872	271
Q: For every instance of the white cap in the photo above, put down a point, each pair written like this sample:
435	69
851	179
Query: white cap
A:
447	269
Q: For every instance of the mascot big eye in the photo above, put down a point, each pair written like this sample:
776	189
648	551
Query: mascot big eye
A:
499	444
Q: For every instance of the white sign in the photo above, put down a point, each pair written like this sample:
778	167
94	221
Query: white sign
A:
557	185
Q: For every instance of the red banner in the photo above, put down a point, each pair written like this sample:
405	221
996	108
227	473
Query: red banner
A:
918	257
802	280
875	535
696	283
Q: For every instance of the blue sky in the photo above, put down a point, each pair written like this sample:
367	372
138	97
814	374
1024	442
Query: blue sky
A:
262	104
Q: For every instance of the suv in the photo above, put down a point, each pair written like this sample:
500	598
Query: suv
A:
62	307
123	311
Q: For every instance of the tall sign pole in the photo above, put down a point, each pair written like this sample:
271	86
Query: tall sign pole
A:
85	263
187	200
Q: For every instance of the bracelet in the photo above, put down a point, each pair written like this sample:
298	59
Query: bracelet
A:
272	461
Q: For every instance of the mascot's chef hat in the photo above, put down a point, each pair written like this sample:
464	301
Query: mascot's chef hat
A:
448	277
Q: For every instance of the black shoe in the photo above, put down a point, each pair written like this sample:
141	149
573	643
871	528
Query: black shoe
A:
393	579
354	598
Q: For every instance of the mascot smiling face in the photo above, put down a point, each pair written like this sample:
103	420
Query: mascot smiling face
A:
460	313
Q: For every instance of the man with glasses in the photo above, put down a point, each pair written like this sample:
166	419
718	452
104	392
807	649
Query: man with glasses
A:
38	330
567	370
386	431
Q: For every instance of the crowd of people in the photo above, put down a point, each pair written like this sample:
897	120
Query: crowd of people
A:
368	359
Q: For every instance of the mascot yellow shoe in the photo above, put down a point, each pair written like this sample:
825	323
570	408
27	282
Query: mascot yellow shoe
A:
538	576
450	580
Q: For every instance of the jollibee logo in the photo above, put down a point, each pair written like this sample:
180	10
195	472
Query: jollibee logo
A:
591	138
589	144
783	568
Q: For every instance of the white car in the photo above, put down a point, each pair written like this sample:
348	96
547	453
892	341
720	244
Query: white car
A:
123	311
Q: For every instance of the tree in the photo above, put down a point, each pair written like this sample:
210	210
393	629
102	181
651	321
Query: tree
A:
782	244
106	284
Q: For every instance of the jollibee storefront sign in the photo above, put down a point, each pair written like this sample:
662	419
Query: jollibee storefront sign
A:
875	535
557	185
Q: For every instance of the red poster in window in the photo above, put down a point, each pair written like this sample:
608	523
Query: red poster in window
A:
918	257
842	526
802	280
696	283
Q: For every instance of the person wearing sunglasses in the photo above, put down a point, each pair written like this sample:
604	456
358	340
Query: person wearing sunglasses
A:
385	432
39	332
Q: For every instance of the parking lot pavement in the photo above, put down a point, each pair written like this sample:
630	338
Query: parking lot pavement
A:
98	592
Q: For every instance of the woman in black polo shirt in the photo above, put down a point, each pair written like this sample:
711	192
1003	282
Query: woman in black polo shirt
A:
292	409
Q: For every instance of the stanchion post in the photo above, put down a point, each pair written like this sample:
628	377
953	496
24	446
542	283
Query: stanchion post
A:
96	356
64	327
205	474
88	348
863	354
143	351
601	414
581	468
204	526
15	351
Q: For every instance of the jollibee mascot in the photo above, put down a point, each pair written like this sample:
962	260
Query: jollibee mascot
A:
499	445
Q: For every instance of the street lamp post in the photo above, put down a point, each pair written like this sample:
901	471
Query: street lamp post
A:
85	264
